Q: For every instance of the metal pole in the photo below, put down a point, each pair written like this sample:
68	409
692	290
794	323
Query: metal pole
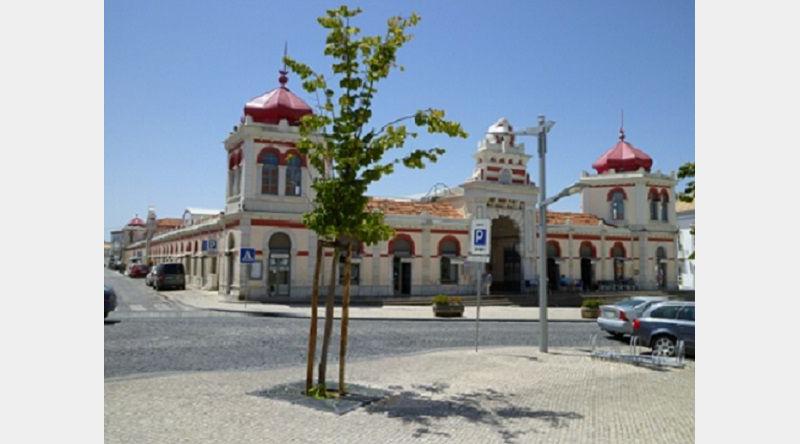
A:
542	237
478	313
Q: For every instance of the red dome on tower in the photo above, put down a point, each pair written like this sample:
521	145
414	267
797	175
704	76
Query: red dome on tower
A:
278	104
623	157
136	222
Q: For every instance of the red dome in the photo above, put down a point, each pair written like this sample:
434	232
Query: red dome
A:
280	103
623	157
136	222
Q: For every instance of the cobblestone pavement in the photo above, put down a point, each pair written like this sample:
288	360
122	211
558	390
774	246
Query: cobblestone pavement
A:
499	395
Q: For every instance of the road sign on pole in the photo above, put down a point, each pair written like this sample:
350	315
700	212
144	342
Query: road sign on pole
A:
247	255
480	237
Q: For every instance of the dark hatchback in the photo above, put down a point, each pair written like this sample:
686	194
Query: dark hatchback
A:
169	276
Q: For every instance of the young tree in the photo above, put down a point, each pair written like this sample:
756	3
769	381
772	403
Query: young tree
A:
686	171
337	142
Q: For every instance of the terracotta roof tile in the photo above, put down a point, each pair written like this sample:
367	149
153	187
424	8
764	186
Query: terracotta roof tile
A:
169	222
414	208
556	218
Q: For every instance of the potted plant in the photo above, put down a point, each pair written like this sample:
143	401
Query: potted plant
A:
590	308
448	307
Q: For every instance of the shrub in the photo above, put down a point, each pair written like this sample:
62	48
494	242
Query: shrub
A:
455	300
591	303
440	299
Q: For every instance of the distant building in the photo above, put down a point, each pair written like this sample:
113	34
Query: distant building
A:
685	213
625	237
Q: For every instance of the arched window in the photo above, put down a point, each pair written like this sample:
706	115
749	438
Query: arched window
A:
618	205
654	201
269	173
587	250
293	175
402	245
618	253
448	250
553	249
664	207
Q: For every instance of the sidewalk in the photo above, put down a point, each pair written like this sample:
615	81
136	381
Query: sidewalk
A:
211	300
498	395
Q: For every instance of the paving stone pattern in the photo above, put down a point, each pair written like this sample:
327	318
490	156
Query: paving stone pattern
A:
498	395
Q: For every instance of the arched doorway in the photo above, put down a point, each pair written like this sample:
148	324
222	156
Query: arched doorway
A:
231	253
505	265
587	253
553	269
279	266
661	267
618	255
402	249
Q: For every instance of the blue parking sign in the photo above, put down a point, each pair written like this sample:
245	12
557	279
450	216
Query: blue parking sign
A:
480	236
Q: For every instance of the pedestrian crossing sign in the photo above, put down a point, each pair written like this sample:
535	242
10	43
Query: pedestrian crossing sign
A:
247	255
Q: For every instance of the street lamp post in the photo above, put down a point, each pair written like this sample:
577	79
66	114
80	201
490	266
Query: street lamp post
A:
541	132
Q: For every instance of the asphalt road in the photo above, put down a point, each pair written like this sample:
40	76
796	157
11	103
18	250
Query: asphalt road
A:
149	334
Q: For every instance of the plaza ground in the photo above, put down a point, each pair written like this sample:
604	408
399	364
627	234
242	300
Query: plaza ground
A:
502	394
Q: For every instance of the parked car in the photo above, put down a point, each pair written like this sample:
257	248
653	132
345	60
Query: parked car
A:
617	318
137	270
110	300
169	276
149	280
664	324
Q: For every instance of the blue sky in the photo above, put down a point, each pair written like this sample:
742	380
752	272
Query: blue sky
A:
177	75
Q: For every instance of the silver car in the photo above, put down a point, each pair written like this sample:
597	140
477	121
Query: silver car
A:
664	324
617	318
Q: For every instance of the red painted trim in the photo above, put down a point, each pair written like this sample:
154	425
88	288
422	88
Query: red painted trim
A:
617	238
614	190
493	169
328	253
493	179
276	223
449	238
616	185
585	237
275	142
401	236
232	224
409	230
591	245
521	181
296	153
520	172
558	247
617	244
302	253
450	231
269	150
660	239
259	252
557	236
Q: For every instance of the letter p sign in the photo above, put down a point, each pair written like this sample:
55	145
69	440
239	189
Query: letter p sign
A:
480	236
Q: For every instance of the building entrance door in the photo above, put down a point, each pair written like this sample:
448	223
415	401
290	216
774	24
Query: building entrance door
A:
401	275
505	265
278	276
231	258
553	274
586	274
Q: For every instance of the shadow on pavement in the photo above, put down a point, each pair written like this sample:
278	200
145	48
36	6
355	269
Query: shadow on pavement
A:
488	407
111	321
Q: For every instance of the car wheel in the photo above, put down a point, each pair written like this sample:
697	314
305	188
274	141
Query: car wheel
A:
663	346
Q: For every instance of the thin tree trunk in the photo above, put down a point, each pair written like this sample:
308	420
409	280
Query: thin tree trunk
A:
312	335
326	338
345	320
